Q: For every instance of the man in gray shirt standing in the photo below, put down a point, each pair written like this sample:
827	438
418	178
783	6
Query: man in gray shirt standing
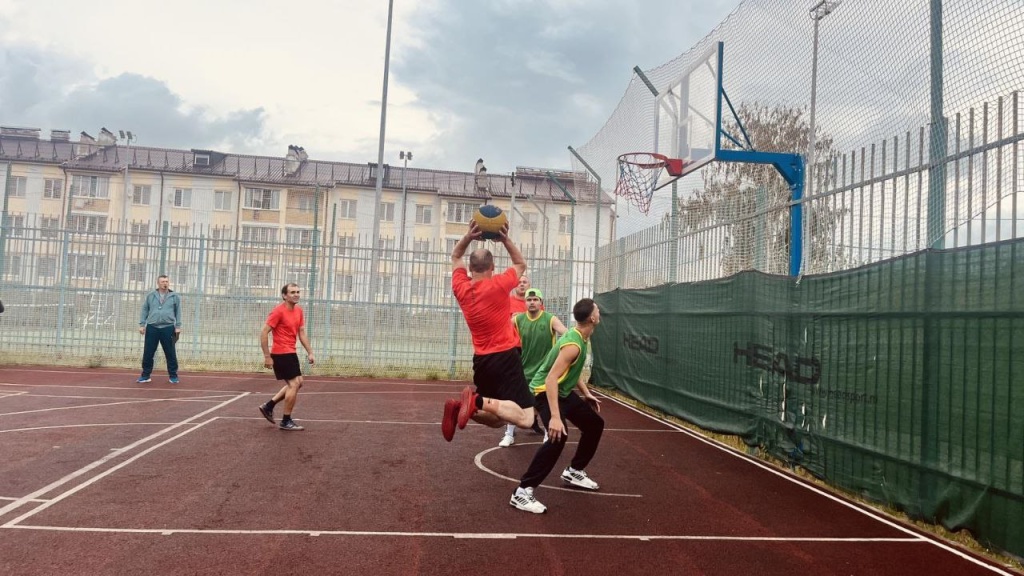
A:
160	321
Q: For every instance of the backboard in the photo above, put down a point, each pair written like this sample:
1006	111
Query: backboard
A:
688	114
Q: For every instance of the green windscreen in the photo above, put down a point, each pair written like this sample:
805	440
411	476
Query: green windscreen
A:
901	381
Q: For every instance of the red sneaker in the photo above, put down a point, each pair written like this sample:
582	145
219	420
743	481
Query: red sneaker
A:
468	408
450	419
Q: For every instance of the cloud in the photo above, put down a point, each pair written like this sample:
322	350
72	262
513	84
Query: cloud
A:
46	89
517	82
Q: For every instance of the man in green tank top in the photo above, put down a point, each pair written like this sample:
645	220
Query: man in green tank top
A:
555	384
538	330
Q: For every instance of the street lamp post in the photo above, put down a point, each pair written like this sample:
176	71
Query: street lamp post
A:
820	10
405	157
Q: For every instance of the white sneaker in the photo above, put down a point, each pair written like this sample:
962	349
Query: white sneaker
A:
523	499
507	440
578	478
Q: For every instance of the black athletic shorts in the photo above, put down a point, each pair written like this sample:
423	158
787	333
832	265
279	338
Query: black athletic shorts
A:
500	375
286	366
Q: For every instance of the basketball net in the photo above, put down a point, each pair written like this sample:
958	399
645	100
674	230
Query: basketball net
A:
639	173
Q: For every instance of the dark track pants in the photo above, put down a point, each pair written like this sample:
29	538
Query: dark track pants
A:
165	337
575	410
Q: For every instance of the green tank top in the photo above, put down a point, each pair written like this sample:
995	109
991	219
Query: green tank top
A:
567	380
537	337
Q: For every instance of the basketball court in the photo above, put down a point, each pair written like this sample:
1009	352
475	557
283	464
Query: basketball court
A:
103	476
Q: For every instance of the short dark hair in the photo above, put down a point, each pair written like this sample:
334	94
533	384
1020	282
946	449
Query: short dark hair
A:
284	289
583	309
481	260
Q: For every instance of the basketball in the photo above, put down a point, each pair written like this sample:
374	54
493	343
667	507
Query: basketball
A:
490	219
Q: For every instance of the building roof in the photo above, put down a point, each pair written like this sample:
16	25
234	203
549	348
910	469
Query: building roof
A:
530	183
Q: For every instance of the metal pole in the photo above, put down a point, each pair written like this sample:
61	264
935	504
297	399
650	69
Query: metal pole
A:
937	141
572	242
3	219
378	193
597	226
405	156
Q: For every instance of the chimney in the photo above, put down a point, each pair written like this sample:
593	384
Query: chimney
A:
60	135
15	132
293	159
107	137
85	145
480	176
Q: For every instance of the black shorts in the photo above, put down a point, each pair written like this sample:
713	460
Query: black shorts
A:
286	366
500	375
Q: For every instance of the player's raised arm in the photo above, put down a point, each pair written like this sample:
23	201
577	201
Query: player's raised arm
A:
518	261
474	233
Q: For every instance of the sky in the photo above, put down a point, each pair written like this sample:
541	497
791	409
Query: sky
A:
511	81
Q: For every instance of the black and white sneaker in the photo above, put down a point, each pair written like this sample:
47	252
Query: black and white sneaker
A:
267	412
578	478
523	499
290	425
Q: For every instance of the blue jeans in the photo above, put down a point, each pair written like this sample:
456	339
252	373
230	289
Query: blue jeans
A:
165	337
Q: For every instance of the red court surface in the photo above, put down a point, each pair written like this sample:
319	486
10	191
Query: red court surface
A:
103	476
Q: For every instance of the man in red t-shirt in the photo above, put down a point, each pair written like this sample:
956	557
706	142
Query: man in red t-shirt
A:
502	394
287	323
517	300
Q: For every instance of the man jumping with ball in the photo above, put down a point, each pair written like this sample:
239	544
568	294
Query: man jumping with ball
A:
502	395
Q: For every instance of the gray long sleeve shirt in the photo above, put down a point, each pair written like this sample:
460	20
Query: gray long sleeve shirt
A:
160	312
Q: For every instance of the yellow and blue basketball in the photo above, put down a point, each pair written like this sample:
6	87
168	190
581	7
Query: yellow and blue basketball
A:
490	219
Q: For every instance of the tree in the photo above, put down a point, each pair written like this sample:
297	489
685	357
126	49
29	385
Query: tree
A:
751	201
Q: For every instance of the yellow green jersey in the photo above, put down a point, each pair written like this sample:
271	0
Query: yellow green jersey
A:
537	337
568	379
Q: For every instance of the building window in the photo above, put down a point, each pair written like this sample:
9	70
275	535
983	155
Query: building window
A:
420	249
387	211
136	271
181	276
49	227
12	266
182	198
201	160
386	247
424	213
344	243
178	236
87	224
218	236
384	286
141	194
450	244
53	188
530	221
85	266
257	275
347	209
140	233
222	200
46	268
90	186
460	212
301	201
17	187
221	277
260	234
343	283
300	276
564	223
301	236
17	224
262	199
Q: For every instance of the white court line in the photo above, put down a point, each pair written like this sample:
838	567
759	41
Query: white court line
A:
145	401
137	388
105	425
183	399
13	499
465	535
869	513
254	375
479	461
113	454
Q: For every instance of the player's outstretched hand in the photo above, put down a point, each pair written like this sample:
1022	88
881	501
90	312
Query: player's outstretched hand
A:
503	233
474	231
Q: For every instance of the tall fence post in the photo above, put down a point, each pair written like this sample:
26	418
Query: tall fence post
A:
597	213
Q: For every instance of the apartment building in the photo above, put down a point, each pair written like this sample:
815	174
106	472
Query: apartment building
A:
103	212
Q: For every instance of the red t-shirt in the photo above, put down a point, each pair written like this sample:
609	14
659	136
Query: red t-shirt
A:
486	308
517	306
285	324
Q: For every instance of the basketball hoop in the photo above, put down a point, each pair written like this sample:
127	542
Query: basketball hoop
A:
639	174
